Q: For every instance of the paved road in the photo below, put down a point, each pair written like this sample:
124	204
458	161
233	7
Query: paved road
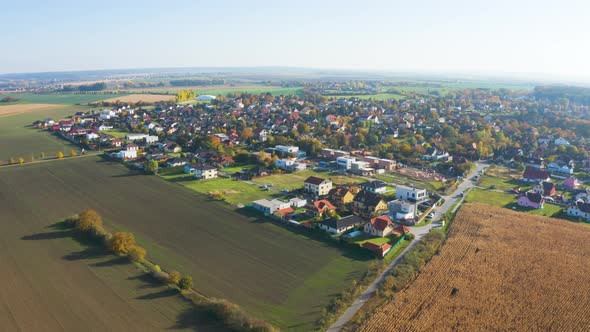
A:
419	232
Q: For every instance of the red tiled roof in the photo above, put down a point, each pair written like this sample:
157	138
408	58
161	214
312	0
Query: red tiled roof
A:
323	204
380	223
285	211
380	250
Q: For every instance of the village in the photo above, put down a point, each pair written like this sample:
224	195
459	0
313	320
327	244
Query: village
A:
395	161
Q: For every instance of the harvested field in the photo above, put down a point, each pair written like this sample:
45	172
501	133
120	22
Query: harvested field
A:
499	270
146	98
272	272
24	108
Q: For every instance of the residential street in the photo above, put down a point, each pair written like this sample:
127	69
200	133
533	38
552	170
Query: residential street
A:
419	232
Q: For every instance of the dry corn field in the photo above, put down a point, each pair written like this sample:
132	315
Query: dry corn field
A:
499	270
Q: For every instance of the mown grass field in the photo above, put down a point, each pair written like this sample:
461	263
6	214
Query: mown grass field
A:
51	282
509	201
234	192
19	139
498	270
295	180
276	274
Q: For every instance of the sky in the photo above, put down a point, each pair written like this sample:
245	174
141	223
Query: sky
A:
427	36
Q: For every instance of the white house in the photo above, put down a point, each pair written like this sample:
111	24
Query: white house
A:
136	137
344	162
287	149
401	210
151	139
130	152
579	209
270	206
405	193
205	172
317	186
297	202
105	127
375	186
290	165
92	136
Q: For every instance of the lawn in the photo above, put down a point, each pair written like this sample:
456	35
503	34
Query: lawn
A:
19	139
234	169
61	98
397	178
120	133
509	201
273	272
290	181
490	197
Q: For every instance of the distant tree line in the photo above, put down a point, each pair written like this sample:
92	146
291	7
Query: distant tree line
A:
8	99
84	88
189	82
563	94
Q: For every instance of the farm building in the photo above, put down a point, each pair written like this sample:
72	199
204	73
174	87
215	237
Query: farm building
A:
205	98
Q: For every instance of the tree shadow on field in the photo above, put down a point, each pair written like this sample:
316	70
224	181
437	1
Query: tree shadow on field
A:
198	320
112	262
147	281
48	235
126	175
88	253
158	295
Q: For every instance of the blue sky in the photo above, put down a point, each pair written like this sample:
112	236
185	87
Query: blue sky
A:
518	36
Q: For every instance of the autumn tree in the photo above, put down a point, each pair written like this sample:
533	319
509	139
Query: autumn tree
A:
121	242
185	282
60	155
21	160
136	253
73	153
174	277
88	219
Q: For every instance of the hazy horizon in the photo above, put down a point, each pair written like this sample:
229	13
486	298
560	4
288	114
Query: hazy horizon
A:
525	39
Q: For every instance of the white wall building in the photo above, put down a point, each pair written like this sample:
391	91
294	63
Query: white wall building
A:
410	194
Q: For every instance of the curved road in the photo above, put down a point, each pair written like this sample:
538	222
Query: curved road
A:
419	232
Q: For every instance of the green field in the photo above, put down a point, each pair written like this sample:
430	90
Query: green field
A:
397	178
116	133
273	272
377	96
509	201
60	98
216	91
234	192
295	180
19	139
